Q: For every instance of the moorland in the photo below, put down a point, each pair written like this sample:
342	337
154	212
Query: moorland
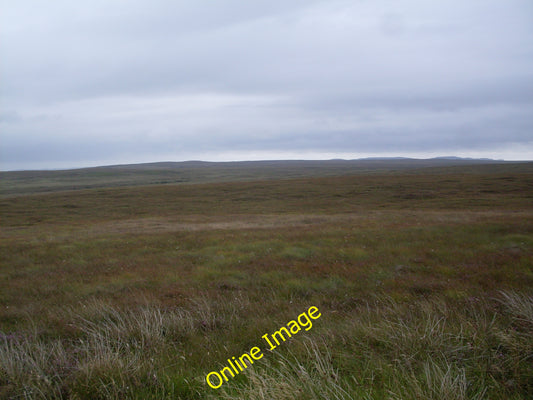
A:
135	282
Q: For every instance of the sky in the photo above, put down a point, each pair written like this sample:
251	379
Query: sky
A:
128	81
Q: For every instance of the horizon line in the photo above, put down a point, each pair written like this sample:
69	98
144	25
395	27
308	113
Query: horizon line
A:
376	158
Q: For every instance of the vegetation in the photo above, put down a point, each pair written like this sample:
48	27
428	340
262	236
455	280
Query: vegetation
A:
424	279
28	182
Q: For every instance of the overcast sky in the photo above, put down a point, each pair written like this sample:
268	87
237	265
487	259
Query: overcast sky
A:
101	82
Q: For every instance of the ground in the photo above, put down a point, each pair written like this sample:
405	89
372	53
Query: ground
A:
423	278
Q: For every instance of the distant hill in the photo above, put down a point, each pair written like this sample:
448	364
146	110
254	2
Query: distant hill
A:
189	172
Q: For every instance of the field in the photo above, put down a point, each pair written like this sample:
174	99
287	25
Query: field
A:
423	278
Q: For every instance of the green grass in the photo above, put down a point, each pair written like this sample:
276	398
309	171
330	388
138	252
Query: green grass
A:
424	282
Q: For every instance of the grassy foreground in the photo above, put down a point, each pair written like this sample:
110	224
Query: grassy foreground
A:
424	283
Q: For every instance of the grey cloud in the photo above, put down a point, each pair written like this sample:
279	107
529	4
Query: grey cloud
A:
130	78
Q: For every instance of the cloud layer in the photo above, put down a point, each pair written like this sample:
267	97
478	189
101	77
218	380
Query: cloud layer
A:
131	81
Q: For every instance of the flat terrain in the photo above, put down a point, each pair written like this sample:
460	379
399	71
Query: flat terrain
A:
28	182
423	277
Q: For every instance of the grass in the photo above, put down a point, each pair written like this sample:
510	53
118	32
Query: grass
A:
380	349
192	172
424	281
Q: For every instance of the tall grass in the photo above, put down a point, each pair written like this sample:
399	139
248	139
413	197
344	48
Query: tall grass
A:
520	307
436	382
310	375
110	353
382	350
